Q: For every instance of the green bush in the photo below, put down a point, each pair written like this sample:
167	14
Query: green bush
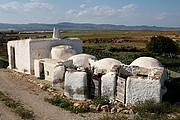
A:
123	49
150	109
103	100
46	87
66	104
161	44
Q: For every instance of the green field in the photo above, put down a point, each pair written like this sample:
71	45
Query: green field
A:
124	45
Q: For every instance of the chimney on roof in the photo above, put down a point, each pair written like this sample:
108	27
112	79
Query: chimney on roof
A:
56	33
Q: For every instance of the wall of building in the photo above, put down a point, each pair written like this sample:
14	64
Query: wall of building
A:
141	89
42	48
21	57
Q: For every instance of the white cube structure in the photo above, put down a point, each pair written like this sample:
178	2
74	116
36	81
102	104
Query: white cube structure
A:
108	85
141	89
54	70
75	85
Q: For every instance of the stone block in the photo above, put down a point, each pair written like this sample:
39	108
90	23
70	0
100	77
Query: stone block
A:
121	88
108	85
141	89
75	85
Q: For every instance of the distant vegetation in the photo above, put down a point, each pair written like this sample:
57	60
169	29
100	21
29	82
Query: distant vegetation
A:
124	45
161	44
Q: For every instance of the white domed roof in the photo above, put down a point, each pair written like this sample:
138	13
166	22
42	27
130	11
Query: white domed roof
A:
82	60
62	52
146	62
105	64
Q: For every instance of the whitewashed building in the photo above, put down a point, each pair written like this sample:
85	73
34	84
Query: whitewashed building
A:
82	75
22	53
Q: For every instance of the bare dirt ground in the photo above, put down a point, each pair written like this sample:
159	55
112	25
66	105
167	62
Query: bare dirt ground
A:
32	98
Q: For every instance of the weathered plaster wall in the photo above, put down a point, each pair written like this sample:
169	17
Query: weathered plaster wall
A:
42	48
108	85
76	44
75	85
54	72
141	89
22	55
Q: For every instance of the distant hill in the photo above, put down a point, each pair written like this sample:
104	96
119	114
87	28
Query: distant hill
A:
82	26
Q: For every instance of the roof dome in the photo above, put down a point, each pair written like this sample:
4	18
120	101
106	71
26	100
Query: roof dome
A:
146	62
105	64
62	52
82	60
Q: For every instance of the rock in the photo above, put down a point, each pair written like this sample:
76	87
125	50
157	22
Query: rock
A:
105	108
92	107
98	107
113	110
77	105
119	110
41	86
131	111
125	111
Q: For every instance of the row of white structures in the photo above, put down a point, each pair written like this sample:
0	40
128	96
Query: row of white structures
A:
83	76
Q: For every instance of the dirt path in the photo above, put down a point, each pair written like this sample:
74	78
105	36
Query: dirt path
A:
32	98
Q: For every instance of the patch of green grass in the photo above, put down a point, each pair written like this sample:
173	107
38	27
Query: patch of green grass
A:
103	100
150	109
16	106
64	103
3	52
114	117
46	87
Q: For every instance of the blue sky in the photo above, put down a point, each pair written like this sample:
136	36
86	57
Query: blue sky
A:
121	12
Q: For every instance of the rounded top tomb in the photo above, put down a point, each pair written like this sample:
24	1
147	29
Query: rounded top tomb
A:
62	52
82	60
146	62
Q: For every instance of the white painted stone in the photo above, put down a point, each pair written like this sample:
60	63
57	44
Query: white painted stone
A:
108	85
141	89
62	52
19	55
105	64
54	71
126	70
75	85
38	67
82	60
56	33
146	62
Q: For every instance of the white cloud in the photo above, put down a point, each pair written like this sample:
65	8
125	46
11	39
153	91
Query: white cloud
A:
128	8
37	6
28	6
162	16
83	6
103	10
11	6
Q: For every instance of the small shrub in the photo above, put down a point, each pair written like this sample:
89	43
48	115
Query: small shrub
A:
16	106
23	113
123	49
116	117
150	109
45	87
103	100
66	104
11	103
153	107
161	44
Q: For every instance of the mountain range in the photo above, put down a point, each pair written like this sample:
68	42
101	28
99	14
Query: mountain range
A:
81	26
